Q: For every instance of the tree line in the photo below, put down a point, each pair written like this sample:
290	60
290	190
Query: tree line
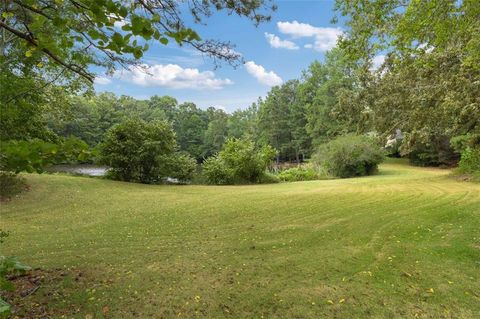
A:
425	96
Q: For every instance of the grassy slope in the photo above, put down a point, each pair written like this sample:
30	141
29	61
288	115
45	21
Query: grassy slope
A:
373	246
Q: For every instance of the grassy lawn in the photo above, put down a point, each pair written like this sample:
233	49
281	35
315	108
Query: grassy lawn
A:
402	244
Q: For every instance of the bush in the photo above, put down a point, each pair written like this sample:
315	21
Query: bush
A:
468	146
142	152
349	156
239	162
470	161
181	166
11	185
296	174
216	171
269	178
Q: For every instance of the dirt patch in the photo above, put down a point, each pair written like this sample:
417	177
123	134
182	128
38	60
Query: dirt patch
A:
30	298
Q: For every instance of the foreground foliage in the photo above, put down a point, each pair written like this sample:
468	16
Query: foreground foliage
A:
8	266
403	243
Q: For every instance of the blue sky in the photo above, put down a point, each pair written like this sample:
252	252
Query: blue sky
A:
299	33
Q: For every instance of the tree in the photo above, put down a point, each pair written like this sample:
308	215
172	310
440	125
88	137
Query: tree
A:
282	121
216	133
143	152
165	105
24	116
89	117
428	86
322	89
409	27
243	123
432	98
190	124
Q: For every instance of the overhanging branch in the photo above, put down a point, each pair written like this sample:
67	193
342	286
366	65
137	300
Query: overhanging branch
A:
72	67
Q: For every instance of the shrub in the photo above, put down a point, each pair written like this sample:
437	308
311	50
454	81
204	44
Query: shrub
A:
137	151
296	174
239	162
269	178
468	146
181	166
216	171
349	156
11	185
470	161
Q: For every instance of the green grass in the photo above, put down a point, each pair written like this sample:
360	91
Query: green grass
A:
401	244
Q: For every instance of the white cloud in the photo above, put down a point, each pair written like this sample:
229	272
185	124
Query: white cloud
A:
102	80
276	42
192	61
120	23
172	76
264	77
324	38
308	46
426	47
377	61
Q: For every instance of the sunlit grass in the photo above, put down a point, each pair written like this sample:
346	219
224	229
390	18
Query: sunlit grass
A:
401	244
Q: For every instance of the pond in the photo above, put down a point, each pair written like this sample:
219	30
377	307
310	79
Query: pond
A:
81	169
92	170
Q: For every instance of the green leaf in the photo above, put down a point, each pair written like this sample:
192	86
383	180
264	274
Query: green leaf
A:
6	285
156	18
137	53
117	38
4	309
123	12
